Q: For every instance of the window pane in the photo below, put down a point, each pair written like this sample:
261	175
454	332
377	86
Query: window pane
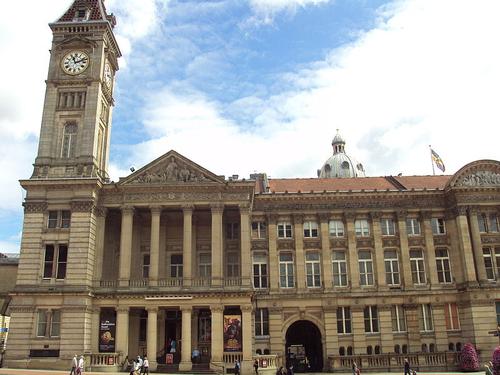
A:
52	223
55	323
62	262
42	323
49	261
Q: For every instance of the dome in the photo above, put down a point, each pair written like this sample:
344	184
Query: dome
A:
341	165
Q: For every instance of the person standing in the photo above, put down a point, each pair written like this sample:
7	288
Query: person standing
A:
173	346
79	369
145	365
139	364
290	370
236	367
407	367
354	368
256	367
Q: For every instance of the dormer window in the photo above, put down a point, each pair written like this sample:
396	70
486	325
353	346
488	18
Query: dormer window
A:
82	15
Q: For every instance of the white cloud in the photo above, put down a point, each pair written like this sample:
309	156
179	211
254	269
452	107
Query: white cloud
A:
265	11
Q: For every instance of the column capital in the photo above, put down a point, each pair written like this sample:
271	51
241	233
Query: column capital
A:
402	214
324	217
155	209
350	216
216	308
217	208
122	309
375	215
244	207
127	210
186	309
101	211
473	210
187	208
426	215
152	309
272	217
298	218
246	308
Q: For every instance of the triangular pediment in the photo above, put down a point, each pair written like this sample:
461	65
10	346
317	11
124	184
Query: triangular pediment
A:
76	41
172	168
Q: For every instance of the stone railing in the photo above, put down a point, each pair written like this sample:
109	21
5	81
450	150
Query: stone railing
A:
138	283
230	358
395	362
201	281
170	282
269	361
232	281
103	361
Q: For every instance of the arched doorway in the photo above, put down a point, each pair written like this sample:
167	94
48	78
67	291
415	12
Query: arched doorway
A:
303	340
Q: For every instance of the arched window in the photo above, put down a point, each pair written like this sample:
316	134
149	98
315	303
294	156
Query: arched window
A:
258	352
405	349
458	347
432	348
69	141
341	350
369	349
451	347
377	349
397	349
349	350
266	352
424	348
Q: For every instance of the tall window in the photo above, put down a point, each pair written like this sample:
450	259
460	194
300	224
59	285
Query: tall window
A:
362	228
336	228
232	265
344	320
260	271
438	225
232	231
59	219
286	270
145	265
443	266
176	265
497	307
398	318
261	322
371	319
313	273
48	323
284	230
491	257
412	227
391	267
451	317
205	265
310	229
69	141
426	323
259	230
339	268
365	267
388	227
55	261
417	266
487	223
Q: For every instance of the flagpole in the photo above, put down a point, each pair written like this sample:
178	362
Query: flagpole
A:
432	161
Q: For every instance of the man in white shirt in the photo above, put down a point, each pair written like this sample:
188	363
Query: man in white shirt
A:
74	365
79	370
145	365
140	363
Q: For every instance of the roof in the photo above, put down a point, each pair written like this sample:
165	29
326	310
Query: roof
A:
97	10
306	185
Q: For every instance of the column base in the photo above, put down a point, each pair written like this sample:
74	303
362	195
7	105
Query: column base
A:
247	367
153	365
185	366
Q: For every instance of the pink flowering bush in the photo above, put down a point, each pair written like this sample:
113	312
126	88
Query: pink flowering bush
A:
468	358
496	361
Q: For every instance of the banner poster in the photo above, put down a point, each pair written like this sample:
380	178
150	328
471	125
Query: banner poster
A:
232	333
107	333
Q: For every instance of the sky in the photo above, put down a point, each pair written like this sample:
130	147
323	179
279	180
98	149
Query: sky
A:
245	86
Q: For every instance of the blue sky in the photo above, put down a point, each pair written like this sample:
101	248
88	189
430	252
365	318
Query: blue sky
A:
241	86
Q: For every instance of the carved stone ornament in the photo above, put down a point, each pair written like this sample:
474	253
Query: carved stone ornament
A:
416	242
338	243
480	178
172	170
489	239
312	244
441	240
34	207
82	206
286	244
259	245
390	242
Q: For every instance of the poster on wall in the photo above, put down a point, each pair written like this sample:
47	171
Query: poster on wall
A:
232	333
107	331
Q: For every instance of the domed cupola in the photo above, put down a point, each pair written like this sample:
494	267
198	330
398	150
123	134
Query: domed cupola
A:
340	165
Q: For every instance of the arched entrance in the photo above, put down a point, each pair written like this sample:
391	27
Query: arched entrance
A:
303	340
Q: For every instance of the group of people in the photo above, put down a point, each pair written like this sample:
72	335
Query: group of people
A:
140	366
283	371
77	364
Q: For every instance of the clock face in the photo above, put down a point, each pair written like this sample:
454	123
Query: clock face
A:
75	62
108	75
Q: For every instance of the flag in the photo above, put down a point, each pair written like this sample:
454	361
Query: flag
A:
437	160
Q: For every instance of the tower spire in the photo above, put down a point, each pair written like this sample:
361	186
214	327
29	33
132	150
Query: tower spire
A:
87	10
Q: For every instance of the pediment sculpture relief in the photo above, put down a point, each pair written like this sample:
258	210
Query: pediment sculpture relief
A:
481	178
173	170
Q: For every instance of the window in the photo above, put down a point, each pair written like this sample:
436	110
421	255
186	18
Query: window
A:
59	219
398	318
341	350
69	141
362	228
426	318
286	271
205	265
344	320
284	230
48	323
336	228
443	266
369	350
365	267
176	265
417	266
260	271
145	265
377	349
339	268
55	262
391	267
259	230
487	223
371	319
491	259
397	349
232	265
310	229
313	273
232	231
413	227
451	317
388	227
438	226
404	348
497	307
261	322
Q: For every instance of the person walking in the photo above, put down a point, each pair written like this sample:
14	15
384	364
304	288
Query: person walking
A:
81	362
290	370
236	367
407	367
145	365
74	365
256	367
354	368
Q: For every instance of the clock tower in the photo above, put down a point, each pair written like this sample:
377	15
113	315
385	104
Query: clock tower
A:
76	121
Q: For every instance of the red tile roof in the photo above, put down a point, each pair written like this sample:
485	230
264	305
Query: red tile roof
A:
97	13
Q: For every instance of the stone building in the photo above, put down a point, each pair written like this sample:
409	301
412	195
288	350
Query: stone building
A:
176	256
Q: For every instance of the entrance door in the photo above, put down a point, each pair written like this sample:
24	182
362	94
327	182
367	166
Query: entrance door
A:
204	335
303	347
173	326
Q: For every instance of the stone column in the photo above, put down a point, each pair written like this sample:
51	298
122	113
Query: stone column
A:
430	251
404	264
413	327
94	344
152	336
465	246
217	253
379	251
326	253
126	245
331	339
440	326
246	364
246	257
154	255
122	329
217	333
186	364
101	231
273	254
298	234
385	322
476	245
275	330
352	251
187	245
358	329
